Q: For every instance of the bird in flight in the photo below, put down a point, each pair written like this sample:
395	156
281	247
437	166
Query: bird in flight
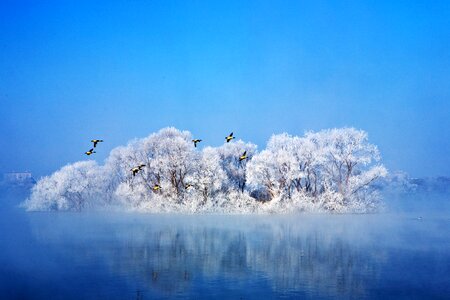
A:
91	151
229	138
243	156
187	186
96	142
156	187
135	170
196	141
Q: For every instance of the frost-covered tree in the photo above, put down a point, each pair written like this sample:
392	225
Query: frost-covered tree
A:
74	187
348	155
329	170
278	168
235	168
208	176
168	156
331	167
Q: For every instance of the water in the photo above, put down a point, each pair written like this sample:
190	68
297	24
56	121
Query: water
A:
137	256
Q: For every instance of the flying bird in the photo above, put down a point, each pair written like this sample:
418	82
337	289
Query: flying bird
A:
196	141
134	170
243	156
229	138
90	152
187	186
156	187
96	142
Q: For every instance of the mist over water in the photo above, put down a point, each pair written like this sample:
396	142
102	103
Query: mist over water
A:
225	150
146	256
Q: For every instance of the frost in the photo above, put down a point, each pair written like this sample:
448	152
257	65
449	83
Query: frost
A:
330	170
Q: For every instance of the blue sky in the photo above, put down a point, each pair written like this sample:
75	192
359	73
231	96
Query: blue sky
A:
74	70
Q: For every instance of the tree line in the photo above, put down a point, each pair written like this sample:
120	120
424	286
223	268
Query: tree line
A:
330	170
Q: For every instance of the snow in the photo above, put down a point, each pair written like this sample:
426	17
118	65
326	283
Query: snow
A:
327	171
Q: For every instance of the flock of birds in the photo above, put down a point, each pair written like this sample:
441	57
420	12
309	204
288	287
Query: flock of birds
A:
91	151
139	168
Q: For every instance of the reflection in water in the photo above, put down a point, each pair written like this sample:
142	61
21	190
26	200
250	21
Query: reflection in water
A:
316	256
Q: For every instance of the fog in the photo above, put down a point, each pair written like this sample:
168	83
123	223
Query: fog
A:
91	255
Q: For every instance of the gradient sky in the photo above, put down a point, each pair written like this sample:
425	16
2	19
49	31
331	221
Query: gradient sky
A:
74	70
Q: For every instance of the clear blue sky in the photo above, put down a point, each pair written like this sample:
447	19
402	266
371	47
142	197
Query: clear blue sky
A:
73	70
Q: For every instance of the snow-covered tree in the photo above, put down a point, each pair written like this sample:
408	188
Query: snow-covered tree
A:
332	167
74	187
329	170
168	156
235	168
208	177
278	168
348	157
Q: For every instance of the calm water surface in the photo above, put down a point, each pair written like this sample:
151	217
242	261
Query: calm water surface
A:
138	256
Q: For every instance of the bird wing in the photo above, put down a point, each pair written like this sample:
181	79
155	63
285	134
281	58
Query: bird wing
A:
245	153
231	134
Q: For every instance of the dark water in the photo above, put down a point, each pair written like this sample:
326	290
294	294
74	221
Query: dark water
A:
136	256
